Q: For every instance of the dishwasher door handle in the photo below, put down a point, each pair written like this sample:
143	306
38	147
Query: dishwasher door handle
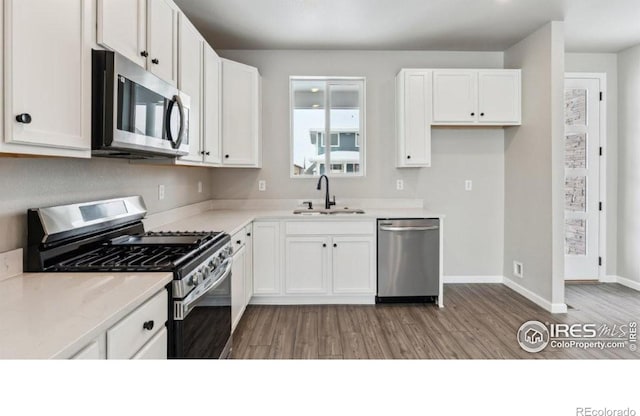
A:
387	228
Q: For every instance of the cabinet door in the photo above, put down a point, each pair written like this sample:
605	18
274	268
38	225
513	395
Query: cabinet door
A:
155	349
95	350
353	265
248	264
122	28
212	109
414	118
455	96
240	114
237	287
48	73
306	260
499	96
162	36
190	45
266	258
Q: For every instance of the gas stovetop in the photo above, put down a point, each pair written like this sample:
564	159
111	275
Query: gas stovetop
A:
151	251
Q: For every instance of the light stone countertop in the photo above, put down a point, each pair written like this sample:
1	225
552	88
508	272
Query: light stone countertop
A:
53	315
232	221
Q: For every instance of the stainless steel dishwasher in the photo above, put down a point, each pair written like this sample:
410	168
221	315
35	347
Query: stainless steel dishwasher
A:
408	260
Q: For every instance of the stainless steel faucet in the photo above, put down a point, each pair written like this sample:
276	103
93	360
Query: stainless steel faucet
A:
327	202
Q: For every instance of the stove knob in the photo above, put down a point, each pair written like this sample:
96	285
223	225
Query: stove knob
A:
214	263
195	278
229	250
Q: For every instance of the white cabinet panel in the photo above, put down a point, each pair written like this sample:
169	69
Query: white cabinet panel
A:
499	96
248	271
306	260
455	96
237	286
47	72
353	265
162	29
122	27
95	350
190	46
240	115
155	349
266	258
132	332
413	118
212	125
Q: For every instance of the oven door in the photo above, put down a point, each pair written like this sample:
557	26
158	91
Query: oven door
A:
202	320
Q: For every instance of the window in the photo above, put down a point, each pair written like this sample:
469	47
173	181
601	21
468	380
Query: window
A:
323	106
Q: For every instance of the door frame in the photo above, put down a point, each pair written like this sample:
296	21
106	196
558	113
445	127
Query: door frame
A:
602	234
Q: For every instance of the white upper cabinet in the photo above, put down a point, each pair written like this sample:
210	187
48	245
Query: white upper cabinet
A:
212	113
145	31
468	96
122	28
499	96
162	26
190	46
413	118
47	77
455	96
241	113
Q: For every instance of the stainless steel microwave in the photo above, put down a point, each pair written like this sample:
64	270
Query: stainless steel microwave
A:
135	114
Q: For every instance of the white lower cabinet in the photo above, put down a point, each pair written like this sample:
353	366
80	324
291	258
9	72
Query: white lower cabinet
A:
322	261
266	258
238	297
306	265
248	265
95	350
155	349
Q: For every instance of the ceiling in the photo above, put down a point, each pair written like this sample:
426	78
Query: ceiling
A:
470	25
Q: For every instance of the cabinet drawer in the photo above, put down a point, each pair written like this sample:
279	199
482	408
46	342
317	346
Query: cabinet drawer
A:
128	336
239	239
330	227
155	349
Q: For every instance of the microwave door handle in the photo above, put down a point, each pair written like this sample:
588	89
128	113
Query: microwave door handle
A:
175	100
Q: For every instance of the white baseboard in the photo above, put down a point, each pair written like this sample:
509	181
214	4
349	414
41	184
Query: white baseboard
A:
632	284
608	279
535	298
312	300
472	279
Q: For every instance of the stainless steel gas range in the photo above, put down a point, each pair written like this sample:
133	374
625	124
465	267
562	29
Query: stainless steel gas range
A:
109	236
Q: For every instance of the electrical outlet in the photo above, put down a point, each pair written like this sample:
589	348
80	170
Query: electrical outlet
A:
262	186
468	185
518	269
400	185
160	192
199	187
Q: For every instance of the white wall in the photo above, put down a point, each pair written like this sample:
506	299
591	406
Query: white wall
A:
474	223
606	63
534	166
38	182
629	164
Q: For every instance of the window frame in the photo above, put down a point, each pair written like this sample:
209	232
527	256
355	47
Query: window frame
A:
360	134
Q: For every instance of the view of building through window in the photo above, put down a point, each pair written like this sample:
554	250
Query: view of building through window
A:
333	107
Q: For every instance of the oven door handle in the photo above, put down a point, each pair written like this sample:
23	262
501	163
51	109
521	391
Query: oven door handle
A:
387	228
183	307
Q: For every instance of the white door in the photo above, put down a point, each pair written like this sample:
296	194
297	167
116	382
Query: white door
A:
417	118
455	96
499	96
190	82
240	114
162	30
582	178
351	275
237	286
47	73
121	28
212	110
306	260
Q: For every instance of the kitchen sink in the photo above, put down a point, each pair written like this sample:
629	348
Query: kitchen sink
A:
323	211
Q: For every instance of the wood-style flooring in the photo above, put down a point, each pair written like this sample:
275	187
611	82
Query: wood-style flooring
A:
478	321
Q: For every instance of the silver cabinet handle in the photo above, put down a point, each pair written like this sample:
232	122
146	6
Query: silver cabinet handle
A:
435	227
